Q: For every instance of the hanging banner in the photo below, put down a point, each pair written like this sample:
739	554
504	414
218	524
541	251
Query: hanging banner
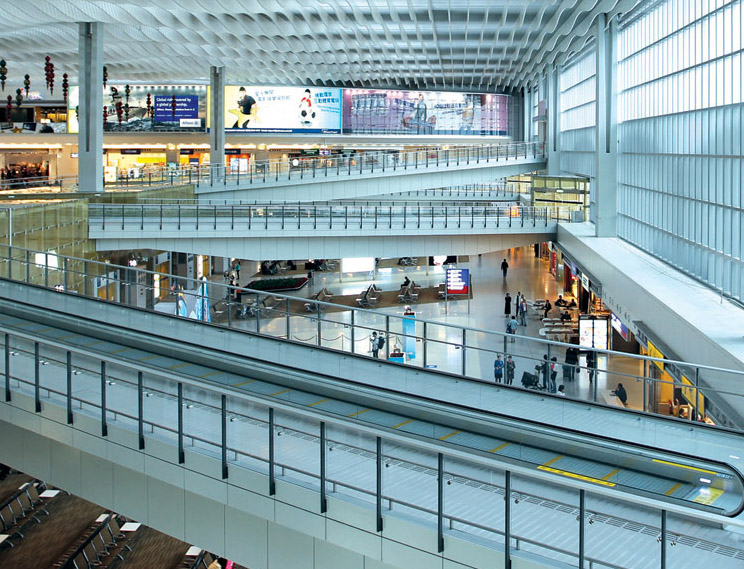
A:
251	108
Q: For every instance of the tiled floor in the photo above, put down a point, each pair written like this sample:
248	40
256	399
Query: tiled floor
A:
526	274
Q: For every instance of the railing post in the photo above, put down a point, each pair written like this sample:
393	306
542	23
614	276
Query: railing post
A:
440	502
7	368
663	539
425	341
37	379
353	334
272	480
104	423
10	263
69	387
507	520
378	493
463	351
181	453
223	416
141	409
317	311
323	500
28	266
387	336
582	516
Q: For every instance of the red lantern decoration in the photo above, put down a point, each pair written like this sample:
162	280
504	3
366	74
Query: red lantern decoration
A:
3	73
127	90
26	83
119	111
47	66
18	98
149	105
126	112
173	105
105	76
65	86
105	114
9	106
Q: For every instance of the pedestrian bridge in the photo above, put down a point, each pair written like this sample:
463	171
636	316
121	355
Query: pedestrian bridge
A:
367	174
298	230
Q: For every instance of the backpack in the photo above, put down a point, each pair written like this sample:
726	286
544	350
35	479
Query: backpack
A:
380	342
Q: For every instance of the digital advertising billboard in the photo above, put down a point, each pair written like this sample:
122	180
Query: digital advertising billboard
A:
368	111
171	108
250	108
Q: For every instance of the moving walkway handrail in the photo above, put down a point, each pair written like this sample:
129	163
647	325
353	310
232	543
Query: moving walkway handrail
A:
407	441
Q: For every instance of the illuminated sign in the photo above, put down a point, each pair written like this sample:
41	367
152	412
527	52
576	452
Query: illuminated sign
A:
593	332
260	108
458	281
621	328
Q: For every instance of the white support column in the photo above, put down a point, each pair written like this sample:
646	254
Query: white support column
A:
528	113
554	121
90	110
605	184
217	128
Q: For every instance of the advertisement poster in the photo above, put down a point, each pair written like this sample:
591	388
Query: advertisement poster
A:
129	112
422	112
593	332
250	108
458	281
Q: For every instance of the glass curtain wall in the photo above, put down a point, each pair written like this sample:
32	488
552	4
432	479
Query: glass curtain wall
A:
681	120
578	114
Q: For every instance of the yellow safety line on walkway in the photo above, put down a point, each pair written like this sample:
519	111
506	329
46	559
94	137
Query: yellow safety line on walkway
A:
93	343
576	476
280	392
359	412
43	330
22	324
179	365
67	337
147	358
210	374
318	402
556	459
117	351
711	496
403	423
673	489
445	437
611	474
684	466
239	384
497	449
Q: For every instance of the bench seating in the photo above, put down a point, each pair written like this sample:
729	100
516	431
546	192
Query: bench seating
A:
323	296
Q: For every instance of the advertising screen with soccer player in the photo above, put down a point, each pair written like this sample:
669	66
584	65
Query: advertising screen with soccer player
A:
251	108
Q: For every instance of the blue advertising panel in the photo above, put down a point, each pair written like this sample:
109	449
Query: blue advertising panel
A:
186	107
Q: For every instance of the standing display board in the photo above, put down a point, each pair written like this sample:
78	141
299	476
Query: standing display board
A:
458	282
594	332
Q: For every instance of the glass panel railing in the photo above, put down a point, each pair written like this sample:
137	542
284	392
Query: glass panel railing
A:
694	392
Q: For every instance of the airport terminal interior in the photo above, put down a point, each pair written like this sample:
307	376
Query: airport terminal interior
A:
372	284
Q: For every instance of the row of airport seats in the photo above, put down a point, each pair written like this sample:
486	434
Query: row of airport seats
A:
19	510
409	292
102	545
369	297
323	296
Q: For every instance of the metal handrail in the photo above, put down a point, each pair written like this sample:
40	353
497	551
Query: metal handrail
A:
272	171
457	478
77	273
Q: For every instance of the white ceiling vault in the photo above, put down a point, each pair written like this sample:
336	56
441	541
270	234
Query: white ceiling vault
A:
471	45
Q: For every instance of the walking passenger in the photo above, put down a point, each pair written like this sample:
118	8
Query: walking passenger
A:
511	327
523	312
504	267
507	305
374	345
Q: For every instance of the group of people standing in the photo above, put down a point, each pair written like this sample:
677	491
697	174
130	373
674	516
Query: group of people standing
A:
499	366
519	304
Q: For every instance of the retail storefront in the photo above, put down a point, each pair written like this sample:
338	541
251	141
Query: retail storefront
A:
134	163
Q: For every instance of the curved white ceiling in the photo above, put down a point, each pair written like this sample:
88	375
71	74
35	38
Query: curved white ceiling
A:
435	44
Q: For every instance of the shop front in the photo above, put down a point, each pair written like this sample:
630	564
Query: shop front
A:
134	163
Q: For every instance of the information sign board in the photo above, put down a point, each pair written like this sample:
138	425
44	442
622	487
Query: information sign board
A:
458	281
